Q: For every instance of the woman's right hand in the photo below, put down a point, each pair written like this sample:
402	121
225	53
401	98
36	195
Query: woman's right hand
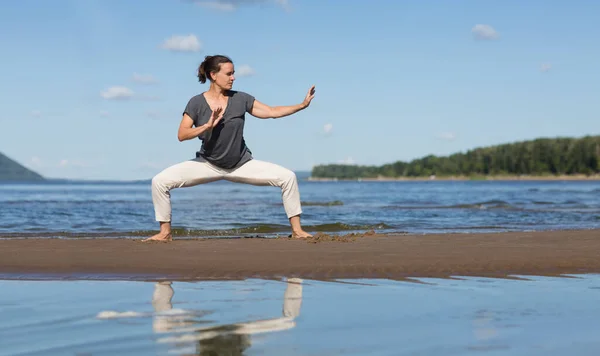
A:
215	118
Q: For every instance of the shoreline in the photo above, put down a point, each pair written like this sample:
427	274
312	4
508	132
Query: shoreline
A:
325	257
581	177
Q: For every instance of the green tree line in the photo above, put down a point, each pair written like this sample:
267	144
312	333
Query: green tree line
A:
543	156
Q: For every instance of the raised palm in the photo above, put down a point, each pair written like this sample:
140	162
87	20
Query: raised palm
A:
215	117
309	96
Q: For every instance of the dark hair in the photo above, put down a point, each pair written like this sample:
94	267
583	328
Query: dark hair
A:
211	64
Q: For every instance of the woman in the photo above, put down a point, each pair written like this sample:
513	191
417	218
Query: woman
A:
217	117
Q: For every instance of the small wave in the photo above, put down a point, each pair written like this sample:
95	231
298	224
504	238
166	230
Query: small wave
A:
183	232
541	203
133	213
575	191
486	206
75	202
317	203
570	205
109	314
272	228
325	203
490	204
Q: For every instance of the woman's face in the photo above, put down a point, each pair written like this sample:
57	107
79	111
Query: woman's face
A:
224	77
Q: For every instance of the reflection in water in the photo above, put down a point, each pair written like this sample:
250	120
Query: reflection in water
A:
230	339
483	326
166	318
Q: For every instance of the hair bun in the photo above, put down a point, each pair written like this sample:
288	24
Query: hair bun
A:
211	64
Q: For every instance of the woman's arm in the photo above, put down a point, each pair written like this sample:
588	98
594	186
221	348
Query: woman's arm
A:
187	131
263	111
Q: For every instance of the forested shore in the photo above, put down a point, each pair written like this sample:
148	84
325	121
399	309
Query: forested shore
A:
575	158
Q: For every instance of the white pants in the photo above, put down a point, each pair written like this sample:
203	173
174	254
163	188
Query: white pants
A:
199	171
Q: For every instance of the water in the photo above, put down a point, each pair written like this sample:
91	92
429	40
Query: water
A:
229	209
474	316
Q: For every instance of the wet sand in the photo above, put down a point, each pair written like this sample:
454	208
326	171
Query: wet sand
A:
350	256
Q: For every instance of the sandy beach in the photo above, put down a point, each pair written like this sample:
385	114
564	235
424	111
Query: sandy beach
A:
374	256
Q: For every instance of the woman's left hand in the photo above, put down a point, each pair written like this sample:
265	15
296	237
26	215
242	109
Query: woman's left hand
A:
309	96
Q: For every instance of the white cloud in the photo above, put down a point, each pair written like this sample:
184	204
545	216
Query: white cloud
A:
154	114
545	67
124	93
231	5
182	43
149	97
144	78
64	163
36	113
117	93
484	32
328	128
347	160
218	5
448	136
244	70
36	161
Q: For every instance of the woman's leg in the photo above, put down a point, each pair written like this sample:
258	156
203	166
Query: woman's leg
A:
263	173
184	174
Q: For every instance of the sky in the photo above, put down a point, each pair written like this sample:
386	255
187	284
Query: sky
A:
95	89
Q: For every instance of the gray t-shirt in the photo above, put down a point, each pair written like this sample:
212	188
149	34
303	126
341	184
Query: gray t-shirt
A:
224	145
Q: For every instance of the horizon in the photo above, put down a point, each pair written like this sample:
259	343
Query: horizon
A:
105	101
307	173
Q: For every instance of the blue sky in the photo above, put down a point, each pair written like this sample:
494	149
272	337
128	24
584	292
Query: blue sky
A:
94	89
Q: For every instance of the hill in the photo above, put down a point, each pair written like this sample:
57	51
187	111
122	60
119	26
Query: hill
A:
15	172
539	157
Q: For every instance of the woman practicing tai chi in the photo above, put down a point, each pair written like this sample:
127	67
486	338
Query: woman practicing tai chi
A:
217	117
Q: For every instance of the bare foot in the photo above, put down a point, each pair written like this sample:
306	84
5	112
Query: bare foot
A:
300	234
160	237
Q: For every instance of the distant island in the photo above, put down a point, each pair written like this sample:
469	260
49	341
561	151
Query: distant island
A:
12	171
563	157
